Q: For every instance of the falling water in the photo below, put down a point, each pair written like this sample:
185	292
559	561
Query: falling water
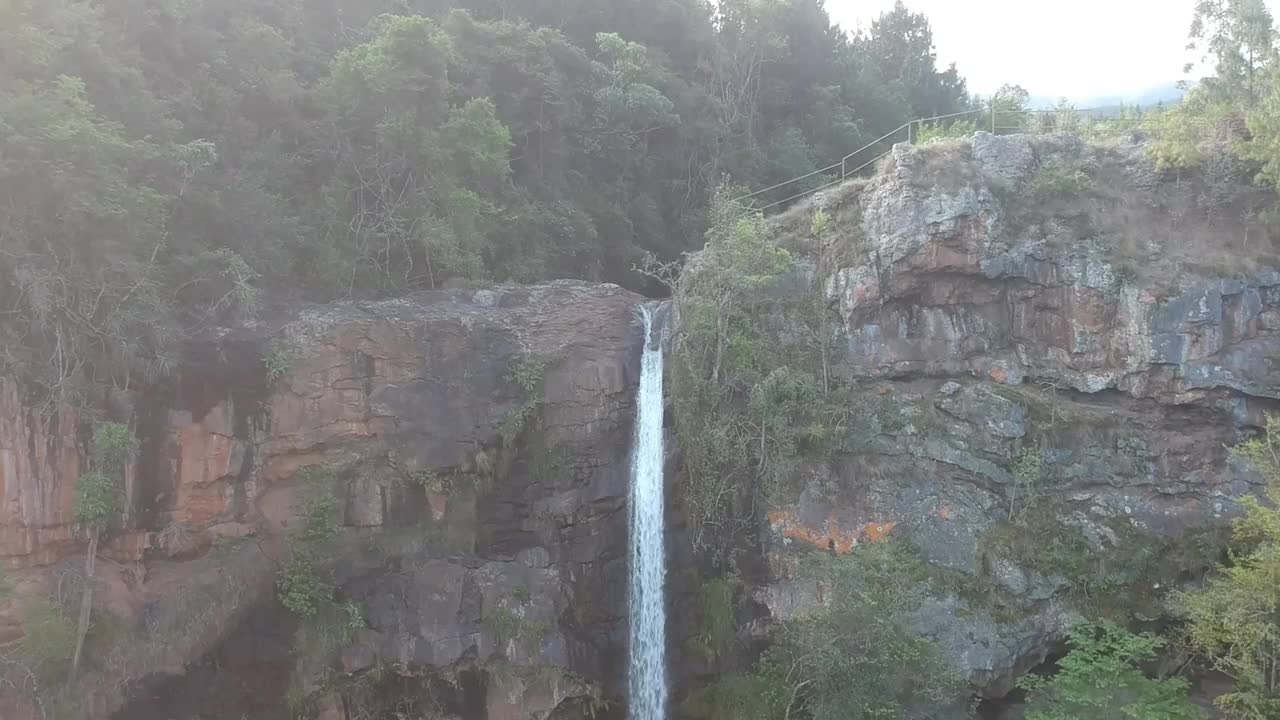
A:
647	669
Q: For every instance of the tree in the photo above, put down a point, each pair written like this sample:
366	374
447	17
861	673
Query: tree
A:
1101	678
902	43
1009	107
165	165
1263	120
1239	36
99	501
1234	620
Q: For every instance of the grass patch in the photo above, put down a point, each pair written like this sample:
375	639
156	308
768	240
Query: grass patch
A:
715	619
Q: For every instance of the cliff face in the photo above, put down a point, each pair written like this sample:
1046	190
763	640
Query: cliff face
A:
480	439
1042	350
1046	373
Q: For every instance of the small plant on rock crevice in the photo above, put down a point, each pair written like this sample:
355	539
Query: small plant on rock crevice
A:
528	375
1027	474
278	360
306	583
1057	180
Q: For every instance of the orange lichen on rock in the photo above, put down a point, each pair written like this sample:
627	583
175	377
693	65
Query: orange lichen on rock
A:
876	532
831	536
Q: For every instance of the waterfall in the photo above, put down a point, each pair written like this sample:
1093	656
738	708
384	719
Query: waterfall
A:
647	670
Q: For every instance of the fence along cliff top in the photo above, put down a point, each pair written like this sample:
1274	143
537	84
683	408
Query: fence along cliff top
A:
997	122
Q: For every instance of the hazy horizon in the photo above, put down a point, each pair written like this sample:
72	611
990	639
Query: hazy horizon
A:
1082	50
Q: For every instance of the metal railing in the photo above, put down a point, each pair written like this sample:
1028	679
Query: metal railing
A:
855	162
1058	120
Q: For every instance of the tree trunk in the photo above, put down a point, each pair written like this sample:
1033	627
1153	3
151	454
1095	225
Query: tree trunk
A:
86	601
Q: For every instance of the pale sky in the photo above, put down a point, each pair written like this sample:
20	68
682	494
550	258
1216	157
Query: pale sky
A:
1078	49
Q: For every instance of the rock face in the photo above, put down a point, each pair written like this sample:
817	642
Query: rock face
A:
39	453
956	283
1049	378
481	442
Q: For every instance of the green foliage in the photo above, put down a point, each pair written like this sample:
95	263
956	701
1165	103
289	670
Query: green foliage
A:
163	167
820	223
1264	130
583	708
1183	132
48	640
527	374
1101	677
429	481
1028	475
100	498
504	625
1057	180
278	360
1009	105
1112	578
758	696
1239	36
941	130
501	624
752	377
715	619
854	658
305	583
520	593
721	353
1232	621
332	627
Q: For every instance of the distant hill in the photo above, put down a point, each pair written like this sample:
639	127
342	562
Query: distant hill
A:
1167	93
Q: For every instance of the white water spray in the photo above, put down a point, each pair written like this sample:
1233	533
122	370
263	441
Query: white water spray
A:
647	669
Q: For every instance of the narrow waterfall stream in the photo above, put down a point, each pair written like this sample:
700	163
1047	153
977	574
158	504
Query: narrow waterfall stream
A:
647	669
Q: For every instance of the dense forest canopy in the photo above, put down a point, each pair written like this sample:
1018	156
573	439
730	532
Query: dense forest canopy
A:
168	164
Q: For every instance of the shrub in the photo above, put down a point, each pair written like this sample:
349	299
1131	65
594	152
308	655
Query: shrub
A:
527	374
331	628
944	130
1028	474
855	658
48	640
1232	621
278	360
501	624
1101	677
715	619
1056	180
305	583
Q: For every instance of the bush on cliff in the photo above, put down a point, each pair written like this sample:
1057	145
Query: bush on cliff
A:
1101	677
1234	620
855	657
